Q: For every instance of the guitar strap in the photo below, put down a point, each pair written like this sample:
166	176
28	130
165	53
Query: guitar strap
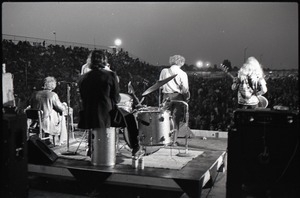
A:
186	95
170	71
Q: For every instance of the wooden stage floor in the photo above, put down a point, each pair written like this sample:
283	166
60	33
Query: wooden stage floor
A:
81	178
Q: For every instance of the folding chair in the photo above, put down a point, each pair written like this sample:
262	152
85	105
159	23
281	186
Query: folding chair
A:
34	120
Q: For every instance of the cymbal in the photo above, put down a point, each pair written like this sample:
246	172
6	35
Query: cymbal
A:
157	85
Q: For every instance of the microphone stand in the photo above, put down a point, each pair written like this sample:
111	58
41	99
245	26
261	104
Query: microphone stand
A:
159	97
68	152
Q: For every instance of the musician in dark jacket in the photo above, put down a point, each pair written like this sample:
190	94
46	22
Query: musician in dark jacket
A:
99	92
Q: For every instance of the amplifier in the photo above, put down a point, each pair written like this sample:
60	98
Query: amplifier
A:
14	181
263	153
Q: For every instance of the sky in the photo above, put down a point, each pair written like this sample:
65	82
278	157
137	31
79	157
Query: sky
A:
210	32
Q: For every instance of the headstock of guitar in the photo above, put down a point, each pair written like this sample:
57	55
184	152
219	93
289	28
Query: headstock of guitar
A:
224	68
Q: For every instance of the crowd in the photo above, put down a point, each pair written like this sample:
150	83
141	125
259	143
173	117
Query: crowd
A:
212	101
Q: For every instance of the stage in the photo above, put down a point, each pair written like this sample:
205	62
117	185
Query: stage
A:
164	169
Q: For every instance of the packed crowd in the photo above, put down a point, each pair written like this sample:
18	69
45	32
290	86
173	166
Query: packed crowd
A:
212	101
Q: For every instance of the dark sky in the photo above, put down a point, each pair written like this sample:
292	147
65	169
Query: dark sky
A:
210	32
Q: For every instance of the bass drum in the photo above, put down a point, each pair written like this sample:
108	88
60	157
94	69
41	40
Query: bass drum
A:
131	131
155	126
148	149
126	102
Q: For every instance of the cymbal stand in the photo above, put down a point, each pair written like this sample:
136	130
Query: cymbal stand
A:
159	97
83	136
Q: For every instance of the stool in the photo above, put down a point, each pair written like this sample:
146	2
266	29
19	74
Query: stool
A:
103	147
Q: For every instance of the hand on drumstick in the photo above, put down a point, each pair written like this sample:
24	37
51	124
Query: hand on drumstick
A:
139	105
131	91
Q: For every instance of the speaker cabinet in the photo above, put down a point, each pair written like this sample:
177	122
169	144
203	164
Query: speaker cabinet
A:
39	152
263	154
14	177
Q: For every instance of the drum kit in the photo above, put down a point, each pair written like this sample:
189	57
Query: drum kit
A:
154	124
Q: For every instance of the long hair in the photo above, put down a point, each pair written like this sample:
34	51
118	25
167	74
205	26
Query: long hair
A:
251	69
98	58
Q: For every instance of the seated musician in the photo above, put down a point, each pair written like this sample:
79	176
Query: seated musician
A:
53	120
99	92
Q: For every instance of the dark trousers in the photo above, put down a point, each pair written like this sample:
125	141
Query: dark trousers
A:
177	109
133	131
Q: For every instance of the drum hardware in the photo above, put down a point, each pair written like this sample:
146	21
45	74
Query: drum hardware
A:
141	164
151	121
186	151
154	125
185	154
144	122
82	138
141	137
158	130
161	119
162	139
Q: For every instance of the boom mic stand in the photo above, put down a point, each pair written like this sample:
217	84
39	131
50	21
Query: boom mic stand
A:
68	152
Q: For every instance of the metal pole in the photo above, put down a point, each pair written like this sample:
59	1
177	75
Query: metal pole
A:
68	152
54	37
159	97
245	53
261	57
26	74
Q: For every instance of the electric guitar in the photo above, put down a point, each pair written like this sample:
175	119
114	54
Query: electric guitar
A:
263	101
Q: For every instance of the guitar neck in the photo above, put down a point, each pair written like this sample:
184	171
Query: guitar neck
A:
229	74
225	69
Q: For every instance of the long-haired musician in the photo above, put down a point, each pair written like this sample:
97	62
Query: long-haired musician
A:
99	92
250	84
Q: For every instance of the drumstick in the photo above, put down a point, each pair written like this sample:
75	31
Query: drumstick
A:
139	103
131	91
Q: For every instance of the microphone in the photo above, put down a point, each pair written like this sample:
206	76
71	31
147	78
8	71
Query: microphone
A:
66	82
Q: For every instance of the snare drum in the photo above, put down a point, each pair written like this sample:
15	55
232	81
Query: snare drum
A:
155	126
125	102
